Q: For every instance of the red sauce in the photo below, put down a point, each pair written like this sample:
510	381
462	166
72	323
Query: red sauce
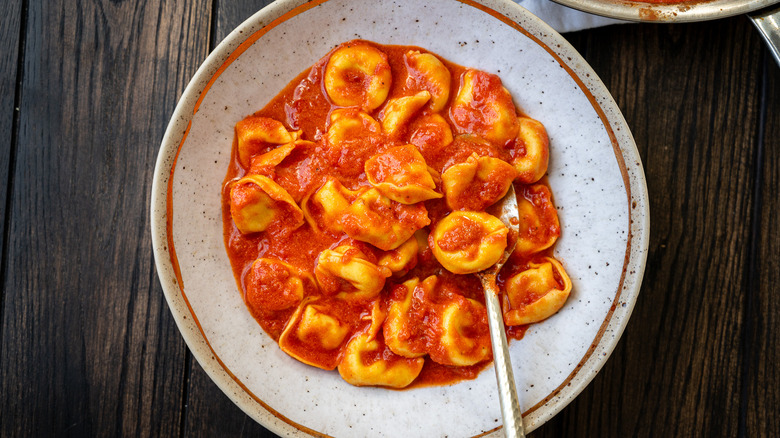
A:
303	105
345	312
465	235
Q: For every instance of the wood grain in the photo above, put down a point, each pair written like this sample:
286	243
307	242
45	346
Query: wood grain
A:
89	347
229	14
690	95
10	28
762	404
210	413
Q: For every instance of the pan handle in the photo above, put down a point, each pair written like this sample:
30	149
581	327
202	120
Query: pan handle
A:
767	21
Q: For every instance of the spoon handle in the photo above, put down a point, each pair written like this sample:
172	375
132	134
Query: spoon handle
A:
767	21
510	405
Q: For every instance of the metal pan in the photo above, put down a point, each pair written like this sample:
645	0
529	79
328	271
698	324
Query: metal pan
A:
765	14
678	12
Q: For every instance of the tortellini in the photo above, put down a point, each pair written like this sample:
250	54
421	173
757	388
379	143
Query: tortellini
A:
367	361
349	273
399	111
257	202
531	151
401	174
265	163
466	242
350	127
485	108
426	72
358	75
536	293
404	330
539	226
323	209
358	202
255	134
352	137
275	285
451	329
477	183
462	147
366	215
376	219
402	259
315	334
430	133
464	337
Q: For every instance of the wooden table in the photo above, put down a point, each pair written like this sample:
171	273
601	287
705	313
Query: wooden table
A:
89	347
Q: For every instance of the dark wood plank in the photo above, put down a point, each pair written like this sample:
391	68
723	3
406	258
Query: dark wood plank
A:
10	28
762	373
89	345
690	95
229	14
209	411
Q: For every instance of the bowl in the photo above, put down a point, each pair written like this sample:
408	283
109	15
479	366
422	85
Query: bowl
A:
595	173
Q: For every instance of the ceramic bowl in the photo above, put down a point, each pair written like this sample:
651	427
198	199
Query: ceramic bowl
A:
595	174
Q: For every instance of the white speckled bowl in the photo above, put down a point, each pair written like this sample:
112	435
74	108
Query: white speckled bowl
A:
595	173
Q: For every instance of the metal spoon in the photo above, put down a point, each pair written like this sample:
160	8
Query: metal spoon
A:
506	210
767	21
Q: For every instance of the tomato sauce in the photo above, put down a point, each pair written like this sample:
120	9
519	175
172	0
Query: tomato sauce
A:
303	105
465	235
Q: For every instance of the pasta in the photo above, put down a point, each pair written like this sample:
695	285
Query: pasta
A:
484	107
254	134
539	227
428	73
429	133
400	110
355	213
257	202
348	272
536	293
463	340
273	285
403	338
323	209
352	138
358	74
401	174
382	222
466	242
531	151
402	259
477	183
315	334
368	361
